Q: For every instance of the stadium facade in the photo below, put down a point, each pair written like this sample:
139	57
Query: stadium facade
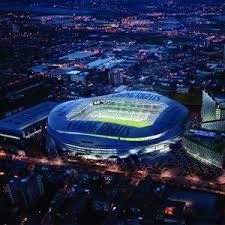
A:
116	125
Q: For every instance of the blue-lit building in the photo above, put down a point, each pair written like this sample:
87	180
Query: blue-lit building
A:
25	191
26	123
207	144
213	112
116	125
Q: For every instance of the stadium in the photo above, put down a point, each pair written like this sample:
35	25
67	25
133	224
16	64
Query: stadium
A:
116	125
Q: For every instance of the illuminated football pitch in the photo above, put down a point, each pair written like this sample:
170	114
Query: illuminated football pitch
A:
127	112
138	124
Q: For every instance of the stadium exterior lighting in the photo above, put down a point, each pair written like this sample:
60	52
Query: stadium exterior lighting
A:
116	125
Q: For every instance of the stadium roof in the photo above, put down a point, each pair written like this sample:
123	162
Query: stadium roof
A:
133	115
19	121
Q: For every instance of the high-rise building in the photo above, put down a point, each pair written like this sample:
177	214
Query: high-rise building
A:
213	112
115	78
207	145
208	111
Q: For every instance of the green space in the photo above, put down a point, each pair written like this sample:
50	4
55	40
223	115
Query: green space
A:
138	124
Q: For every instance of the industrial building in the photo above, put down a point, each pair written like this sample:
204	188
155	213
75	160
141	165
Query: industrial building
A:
26	123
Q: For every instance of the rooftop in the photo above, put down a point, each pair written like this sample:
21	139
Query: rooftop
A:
26	118
78	55
127	115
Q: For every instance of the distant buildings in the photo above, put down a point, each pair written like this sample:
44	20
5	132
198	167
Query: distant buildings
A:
116	78
78	55
121	88
216	67
25	191
78	76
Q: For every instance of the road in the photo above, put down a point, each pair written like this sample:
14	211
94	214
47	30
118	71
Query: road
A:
167	175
